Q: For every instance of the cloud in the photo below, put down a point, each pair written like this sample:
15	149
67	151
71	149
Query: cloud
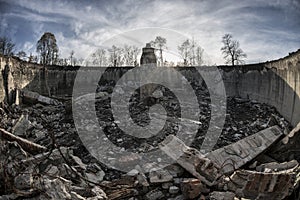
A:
266	29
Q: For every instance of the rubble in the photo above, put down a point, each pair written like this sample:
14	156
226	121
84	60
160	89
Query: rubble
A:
221	195
260	185
192	188
288	147
34	97
154	195
191	160
41	157
25	144
160	176
22	125
235	155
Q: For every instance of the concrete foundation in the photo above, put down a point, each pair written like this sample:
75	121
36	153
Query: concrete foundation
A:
276	83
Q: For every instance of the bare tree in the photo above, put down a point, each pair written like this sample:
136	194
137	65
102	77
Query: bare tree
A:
47	49
32	58
116	56
130	55
71	57
99	57
191	53
232	51
22	55
160	43
199	56
184	51
6	46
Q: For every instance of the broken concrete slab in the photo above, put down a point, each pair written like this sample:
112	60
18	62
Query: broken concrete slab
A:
192	188
221	195
22	125
34	97
160	176
261	186
287	148
191	160
235	155
275	166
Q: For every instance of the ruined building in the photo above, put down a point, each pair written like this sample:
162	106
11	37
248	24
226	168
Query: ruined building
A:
148	55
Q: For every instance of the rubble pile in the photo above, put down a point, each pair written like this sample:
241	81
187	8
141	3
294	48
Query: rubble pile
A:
42	157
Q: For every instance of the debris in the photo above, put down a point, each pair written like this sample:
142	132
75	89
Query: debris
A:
260	185
235	155
160	176
275	166
175	170
192	188
99	194
122	193
173	190
287	148
22	125
27	145
34	97
58	188
191	160
221	195
23	181
154	195
95	177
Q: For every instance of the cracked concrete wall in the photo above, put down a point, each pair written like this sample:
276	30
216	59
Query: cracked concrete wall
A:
276	83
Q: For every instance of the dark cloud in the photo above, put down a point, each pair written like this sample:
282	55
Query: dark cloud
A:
266	29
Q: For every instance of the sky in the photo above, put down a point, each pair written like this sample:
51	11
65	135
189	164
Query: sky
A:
266	29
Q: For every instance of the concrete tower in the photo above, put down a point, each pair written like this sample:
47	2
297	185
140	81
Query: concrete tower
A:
148	55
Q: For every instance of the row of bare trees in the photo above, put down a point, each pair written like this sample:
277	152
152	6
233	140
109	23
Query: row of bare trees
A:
115	56
190	52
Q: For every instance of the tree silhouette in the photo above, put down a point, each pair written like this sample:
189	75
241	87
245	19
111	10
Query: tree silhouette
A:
47	49
231	49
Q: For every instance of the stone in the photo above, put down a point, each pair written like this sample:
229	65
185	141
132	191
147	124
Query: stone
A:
58	188
78	161
236	155
175	170
166	186
192	188
154	195
99	194
22	125
160	176
52	170
221	195
23	181
95	177
140	176
173	190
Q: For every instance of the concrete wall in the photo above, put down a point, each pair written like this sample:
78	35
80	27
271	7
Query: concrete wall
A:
276	83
